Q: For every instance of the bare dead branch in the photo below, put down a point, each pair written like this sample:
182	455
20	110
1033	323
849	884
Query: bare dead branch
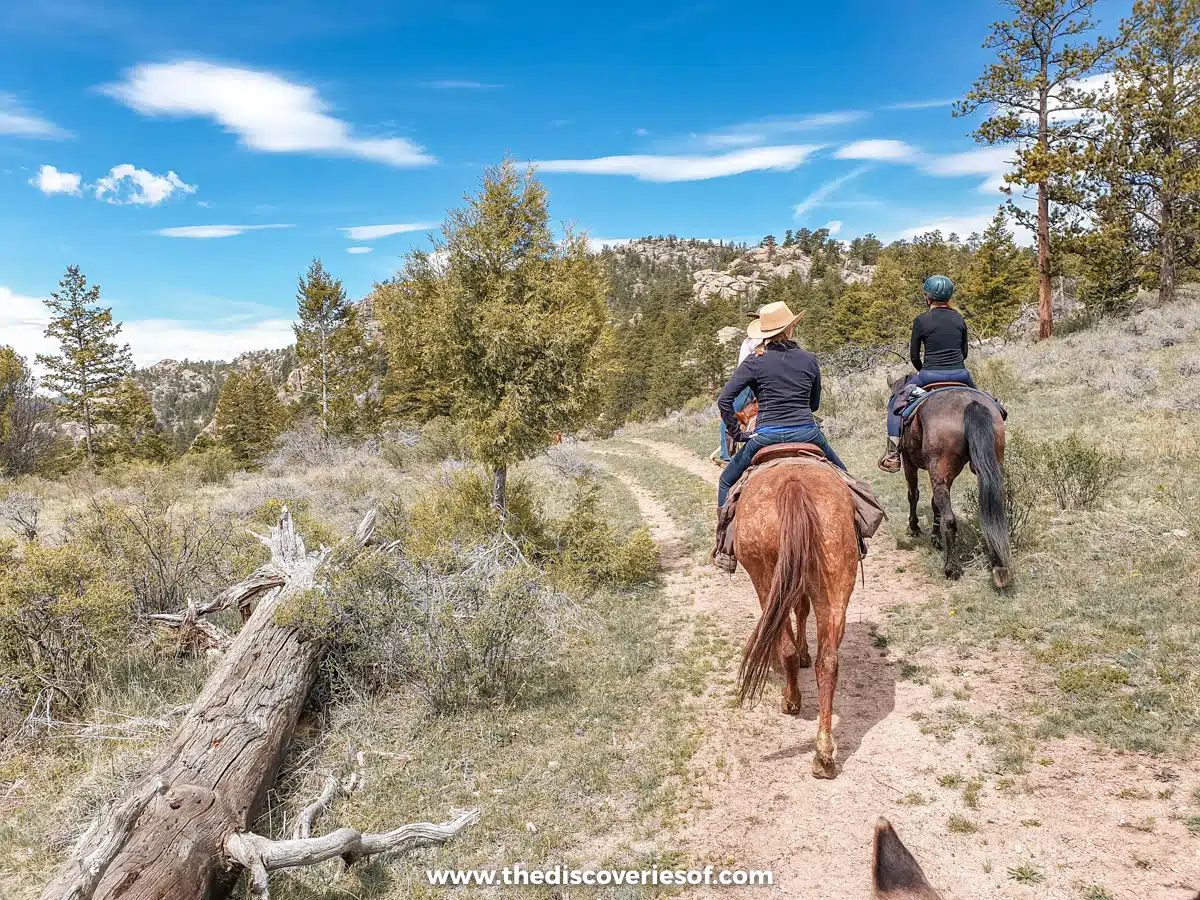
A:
260	855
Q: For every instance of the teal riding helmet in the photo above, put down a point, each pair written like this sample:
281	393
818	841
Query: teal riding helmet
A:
939	288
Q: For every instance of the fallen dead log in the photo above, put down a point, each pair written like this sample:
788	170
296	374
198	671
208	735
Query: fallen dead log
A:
182	830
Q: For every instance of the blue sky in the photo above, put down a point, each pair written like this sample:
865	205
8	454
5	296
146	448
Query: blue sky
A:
194	159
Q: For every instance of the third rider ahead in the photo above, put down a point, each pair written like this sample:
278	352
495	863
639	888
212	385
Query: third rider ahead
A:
943	334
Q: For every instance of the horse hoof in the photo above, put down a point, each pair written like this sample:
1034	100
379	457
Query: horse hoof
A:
805	661
953	572
824	769
791	708
1002	578
914	532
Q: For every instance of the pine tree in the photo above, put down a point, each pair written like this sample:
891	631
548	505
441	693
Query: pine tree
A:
515	322
249	415
90	364
787	238
999	281
1033	94
332	348
27	439
1151	153
135	432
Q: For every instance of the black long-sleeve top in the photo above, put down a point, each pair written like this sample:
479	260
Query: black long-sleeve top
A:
786	381
944	334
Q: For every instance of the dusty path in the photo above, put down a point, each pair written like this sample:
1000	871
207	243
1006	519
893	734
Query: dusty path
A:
1078	817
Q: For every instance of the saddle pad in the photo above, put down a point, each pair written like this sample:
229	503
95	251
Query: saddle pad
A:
780	451
927	392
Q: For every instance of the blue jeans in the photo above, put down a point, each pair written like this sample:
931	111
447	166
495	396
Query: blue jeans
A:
739	404
803	434
922	378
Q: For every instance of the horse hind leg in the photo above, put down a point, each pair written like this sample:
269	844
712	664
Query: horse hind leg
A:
801	632
790	661
947	528
831	625
914	495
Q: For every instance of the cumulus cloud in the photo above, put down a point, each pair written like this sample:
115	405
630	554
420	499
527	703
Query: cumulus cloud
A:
646	167
213	231
358	250
596	244
23	323
833	227
266	112
817	197
125	184
20	122
49	180
879	150
370	232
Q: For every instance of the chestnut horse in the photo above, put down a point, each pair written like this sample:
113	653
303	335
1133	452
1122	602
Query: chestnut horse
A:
950	429
796	538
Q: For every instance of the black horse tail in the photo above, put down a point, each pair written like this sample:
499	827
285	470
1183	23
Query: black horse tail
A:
981	444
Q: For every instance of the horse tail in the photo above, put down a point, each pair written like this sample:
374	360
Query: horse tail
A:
799	571
981	444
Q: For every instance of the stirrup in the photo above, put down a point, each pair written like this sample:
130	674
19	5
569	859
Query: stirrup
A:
890	463
724	561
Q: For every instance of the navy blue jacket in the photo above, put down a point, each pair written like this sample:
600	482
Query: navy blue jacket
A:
786	381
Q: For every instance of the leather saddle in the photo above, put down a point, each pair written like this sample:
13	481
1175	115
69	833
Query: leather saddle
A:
944	384
779	451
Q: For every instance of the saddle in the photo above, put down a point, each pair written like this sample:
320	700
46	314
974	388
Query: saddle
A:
782	451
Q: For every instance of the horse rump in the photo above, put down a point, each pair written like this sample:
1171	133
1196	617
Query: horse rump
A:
981	445
799	570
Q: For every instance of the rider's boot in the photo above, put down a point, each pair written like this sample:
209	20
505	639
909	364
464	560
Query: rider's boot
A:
890	461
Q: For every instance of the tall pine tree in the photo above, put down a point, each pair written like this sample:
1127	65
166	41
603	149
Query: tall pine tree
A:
332	349
1032	92
89	364
1149	161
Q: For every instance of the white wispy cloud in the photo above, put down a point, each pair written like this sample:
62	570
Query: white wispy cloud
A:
23	323
17	121
917	104
879	150
214	231
819	195
833	227
646	167
596	244
370	232
760	131
49	180
358	250
992	162
126	184
451	84
641	132
266	112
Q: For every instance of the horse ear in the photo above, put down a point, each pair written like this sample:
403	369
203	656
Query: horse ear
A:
894	871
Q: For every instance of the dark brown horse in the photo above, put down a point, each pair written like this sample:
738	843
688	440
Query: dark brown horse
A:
951	429
895	874
796	538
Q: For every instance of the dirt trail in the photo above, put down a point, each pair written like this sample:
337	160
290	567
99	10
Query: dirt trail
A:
1079	817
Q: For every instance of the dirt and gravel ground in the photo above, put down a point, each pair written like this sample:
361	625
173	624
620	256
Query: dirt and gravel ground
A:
1077	822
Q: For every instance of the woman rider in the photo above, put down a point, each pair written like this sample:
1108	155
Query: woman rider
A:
942	333
786	379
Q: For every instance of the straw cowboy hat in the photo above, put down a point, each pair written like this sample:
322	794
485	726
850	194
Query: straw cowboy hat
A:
772	319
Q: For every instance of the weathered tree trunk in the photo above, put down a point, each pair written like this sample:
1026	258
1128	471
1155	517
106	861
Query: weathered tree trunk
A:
1166	251
182	830
499	487
1045	291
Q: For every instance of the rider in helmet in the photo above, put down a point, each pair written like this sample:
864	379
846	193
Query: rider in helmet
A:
942	333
